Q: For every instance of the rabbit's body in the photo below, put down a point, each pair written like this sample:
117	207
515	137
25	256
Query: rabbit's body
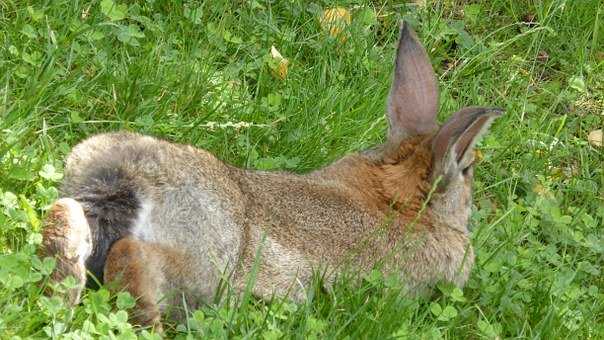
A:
166	217
217	217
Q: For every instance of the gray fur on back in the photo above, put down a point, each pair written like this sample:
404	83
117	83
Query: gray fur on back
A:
190	204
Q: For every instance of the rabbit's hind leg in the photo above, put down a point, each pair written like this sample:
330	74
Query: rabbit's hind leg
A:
66	236
138	268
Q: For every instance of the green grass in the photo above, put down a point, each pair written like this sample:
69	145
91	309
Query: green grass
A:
181	70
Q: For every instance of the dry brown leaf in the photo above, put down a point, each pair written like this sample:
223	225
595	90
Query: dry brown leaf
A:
529	19
279	67
334	20
595	138
542	56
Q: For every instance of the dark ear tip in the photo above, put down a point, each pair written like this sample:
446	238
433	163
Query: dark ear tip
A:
406	30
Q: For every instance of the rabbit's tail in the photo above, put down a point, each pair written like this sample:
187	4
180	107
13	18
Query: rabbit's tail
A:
109	200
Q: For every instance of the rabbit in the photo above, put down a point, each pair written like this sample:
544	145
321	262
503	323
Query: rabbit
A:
154	217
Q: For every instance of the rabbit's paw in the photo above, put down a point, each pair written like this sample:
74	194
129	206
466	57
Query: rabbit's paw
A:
66	237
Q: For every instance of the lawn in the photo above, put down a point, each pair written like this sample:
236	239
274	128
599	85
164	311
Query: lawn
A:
203	73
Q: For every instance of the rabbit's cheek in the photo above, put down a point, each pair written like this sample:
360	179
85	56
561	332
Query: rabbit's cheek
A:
454	205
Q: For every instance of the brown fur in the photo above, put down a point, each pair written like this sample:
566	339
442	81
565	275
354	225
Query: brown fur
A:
133	266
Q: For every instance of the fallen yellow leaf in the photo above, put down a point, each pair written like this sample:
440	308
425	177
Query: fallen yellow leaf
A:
334	20
419	3
279	65
595	137
541	190
478	156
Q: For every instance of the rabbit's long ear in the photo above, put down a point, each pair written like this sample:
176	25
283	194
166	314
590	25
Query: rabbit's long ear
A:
413	100
453	145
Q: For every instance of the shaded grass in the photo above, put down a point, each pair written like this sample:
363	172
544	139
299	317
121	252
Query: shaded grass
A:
68	71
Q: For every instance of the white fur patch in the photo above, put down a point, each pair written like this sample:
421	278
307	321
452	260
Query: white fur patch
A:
141	228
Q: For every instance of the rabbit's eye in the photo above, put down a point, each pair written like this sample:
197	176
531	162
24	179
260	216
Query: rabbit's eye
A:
467	170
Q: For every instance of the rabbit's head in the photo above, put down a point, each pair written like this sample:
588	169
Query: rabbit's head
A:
421	159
